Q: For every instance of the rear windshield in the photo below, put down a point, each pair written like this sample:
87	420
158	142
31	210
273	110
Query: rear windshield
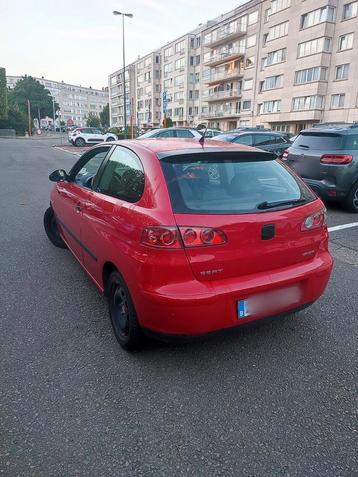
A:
319	141
229	186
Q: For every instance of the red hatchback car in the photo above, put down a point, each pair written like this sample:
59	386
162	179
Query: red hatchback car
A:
185	239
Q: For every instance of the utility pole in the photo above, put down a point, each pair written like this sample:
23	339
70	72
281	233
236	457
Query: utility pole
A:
53	113
129	15
29	116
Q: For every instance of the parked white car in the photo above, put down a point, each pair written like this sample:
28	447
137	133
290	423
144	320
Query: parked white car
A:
176	132
82	136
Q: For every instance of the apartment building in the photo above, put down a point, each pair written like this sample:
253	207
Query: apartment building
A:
147	90
116	95
75	102
283	64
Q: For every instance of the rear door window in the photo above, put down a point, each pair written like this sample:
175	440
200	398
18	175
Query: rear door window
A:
123	176
244	139
321	141
264	139
169	133
228	183
184	133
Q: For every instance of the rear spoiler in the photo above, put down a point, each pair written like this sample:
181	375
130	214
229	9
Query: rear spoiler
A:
216	155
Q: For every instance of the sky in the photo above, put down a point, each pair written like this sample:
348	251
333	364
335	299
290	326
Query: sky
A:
80	41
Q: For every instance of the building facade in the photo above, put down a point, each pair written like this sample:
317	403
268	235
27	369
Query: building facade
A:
75	102
283	64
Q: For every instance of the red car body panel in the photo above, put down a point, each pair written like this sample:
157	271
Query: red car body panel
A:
190	291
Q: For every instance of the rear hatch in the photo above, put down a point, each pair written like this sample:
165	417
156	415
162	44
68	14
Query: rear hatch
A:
305	154
256	204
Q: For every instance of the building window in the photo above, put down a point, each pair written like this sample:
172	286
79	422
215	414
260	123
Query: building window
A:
248	84
168	68
342	72
253	17
312	47
274	57
350	10
308	102
179	64
168	83
324	14
250	62
168	52
278	5
246	105
337	101
277	31
180	47
310	74
281	127
179	81
270	106
271	82
197	60
345	42
251	41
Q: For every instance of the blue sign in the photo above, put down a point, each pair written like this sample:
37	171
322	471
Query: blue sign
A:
164	102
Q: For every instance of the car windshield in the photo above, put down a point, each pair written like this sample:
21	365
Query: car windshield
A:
228	184
319	140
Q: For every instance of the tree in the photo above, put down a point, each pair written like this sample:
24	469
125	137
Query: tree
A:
104	116
41	102
169	123
3	95
93	120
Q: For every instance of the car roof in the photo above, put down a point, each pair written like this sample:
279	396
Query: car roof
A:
240	133
185	146
344	130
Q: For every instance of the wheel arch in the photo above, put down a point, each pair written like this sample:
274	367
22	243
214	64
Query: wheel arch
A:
108	268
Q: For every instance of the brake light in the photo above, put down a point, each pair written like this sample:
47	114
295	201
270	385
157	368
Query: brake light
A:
172	237
202	236
315	221
285	155
167	237
336	159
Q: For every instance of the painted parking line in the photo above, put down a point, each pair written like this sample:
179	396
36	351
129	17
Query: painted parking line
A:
341	227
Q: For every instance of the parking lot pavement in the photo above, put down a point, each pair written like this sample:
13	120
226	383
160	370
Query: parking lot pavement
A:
271	399
77	151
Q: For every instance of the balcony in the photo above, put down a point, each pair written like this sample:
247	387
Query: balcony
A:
220	76
221	95
223	35
225	56
221	114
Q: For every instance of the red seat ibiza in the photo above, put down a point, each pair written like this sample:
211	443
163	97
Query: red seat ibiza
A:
186	239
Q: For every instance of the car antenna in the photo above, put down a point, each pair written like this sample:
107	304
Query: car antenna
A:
202	139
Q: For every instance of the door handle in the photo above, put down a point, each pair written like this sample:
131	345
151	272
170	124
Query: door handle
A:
78	207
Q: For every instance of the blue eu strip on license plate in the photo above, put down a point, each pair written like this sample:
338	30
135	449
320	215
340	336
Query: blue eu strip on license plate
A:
241	308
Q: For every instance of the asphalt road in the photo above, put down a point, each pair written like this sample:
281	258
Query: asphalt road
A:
274	399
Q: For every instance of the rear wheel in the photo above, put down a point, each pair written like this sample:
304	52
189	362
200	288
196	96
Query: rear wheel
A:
122	313
51	229
109	139
351	201
80	142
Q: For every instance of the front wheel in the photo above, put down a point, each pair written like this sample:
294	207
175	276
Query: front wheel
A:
122	313
351	201
80	142
109	139
51	229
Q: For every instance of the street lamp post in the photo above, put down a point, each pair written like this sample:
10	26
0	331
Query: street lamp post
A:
129	15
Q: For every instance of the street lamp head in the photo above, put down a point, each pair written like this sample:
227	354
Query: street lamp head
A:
129	15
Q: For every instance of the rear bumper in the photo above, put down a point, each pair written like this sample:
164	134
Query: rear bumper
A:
215	307
327	190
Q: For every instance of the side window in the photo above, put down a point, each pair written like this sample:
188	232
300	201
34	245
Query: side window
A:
169	133
87	167
352	142
86	131
97	131
123	176
245	139
184	133
264	139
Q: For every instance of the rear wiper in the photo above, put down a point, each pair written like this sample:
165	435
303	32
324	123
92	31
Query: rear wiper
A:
271	205
303	145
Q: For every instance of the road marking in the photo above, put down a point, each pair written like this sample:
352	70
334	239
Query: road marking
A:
341	227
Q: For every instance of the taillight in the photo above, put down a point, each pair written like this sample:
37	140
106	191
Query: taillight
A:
172	237
285	155
315	221
336	159
202	236
167	237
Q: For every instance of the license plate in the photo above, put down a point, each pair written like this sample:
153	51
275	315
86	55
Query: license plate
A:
269	301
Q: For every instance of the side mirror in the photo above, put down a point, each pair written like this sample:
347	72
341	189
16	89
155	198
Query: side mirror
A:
58	176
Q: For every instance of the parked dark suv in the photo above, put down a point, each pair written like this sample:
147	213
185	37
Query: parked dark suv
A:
267	140
327	160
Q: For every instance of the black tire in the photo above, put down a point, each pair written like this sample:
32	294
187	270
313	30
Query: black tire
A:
80	142
122	313
51	229
109	139
351	201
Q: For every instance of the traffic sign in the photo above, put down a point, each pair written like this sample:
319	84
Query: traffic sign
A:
164	102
